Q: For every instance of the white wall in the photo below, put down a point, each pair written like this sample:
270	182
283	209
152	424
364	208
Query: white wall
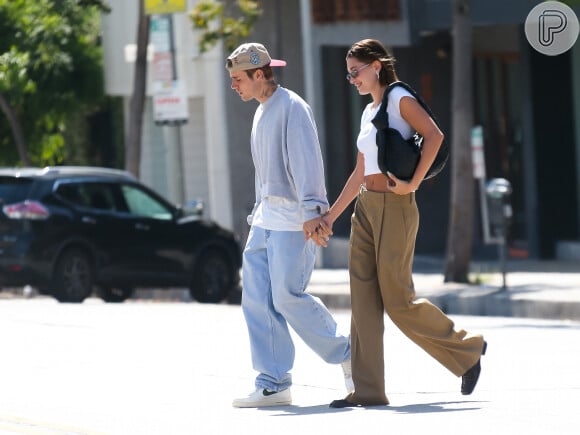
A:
203	144
119	28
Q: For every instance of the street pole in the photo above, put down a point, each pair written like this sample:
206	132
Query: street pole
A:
172	137
169	102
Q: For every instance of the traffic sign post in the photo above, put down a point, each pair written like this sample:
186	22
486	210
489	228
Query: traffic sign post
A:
170	103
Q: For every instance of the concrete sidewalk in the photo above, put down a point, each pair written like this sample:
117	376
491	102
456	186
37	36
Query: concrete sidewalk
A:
535	289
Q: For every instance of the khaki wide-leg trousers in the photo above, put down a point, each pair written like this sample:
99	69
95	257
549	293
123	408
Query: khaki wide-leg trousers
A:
382	243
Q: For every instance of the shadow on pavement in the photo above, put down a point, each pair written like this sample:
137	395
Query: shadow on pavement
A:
419	408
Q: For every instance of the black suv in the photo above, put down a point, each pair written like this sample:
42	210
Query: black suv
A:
65	230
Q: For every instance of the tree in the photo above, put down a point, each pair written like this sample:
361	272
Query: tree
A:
49	68
15	125
133	145
229	29
461	208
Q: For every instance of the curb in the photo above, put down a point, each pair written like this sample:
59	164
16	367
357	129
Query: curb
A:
478	301
481	301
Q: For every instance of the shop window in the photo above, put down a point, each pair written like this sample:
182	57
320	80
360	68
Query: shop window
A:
328	11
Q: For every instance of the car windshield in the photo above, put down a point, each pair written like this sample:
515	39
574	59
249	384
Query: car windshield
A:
14	189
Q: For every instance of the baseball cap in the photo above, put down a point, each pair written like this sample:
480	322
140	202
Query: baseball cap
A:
251	55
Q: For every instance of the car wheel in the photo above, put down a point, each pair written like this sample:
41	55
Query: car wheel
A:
211	279
114	294
73	276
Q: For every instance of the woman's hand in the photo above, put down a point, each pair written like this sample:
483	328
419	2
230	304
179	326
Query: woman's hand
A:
400	187
326	224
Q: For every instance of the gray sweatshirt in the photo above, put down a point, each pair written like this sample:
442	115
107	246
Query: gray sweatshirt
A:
286	154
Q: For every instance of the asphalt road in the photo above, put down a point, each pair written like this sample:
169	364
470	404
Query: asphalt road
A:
173	368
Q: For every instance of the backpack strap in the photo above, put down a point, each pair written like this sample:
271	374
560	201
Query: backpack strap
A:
381	119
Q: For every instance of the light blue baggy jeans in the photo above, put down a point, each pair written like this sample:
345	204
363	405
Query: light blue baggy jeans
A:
276	269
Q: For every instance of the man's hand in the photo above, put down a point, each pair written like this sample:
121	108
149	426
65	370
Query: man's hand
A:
318	232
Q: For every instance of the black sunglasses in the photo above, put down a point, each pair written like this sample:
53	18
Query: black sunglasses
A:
354	73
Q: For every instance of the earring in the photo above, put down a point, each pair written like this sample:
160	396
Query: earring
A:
378	74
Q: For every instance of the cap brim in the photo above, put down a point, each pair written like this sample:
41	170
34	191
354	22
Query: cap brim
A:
277	62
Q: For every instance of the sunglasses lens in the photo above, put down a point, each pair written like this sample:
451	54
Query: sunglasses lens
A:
355	72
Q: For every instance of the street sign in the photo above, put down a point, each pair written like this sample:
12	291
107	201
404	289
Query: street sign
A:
160	33
164	6
477	153
161	38
170	102
162	67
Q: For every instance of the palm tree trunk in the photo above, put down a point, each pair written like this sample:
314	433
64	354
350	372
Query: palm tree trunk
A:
136	109
460	232
16	127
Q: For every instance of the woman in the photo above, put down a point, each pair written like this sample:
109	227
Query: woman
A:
382	241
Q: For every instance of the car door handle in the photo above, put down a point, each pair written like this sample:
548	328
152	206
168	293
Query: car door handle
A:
142	227
88	220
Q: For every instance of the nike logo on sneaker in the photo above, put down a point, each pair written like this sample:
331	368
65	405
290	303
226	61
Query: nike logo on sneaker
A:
264	397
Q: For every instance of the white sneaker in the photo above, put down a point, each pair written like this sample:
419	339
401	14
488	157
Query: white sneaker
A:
347	371
264	397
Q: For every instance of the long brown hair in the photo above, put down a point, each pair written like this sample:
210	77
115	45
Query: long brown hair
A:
369	50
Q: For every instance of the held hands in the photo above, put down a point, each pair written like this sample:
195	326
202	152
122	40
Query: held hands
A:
398	186
318	230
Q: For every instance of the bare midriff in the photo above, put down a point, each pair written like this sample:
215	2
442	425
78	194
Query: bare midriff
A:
377	183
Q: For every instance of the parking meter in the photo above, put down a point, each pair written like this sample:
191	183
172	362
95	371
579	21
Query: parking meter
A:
500	209
499	192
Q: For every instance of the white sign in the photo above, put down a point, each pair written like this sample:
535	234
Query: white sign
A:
170	102
477	154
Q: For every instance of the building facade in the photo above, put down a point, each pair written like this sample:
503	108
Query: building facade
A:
527	103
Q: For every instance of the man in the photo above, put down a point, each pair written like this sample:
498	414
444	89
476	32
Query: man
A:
280	252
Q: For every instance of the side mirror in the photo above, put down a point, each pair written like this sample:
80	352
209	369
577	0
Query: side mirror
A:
193	208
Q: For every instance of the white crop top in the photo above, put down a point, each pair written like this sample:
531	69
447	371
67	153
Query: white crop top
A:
367	138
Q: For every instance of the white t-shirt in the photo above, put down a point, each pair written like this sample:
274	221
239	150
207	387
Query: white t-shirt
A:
367	137
278	214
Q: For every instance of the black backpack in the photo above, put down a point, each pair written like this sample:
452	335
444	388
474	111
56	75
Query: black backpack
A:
397	155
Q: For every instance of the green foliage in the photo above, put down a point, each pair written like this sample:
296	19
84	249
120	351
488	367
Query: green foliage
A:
210	17
50	70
